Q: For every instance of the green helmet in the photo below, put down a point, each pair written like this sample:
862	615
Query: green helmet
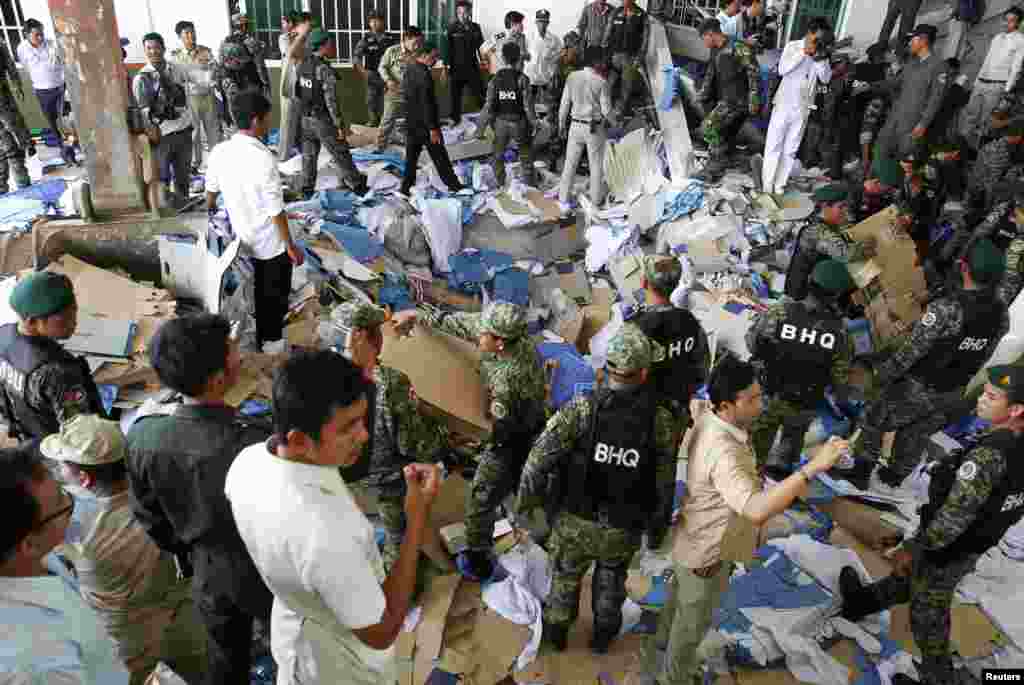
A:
504	319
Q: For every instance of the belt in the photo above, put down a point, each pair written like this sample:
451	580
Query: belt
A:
707	571
985	80
588	122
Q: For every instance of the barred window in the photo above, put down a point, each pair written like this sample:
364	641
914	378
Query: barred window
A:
12	19
265	21
347	21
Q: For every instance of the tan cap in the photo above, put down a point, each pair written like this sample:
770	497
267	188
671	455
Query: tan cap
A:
86	439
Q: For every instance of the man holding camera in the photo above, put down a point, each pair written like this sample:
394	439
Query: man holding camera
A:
159	90
804	64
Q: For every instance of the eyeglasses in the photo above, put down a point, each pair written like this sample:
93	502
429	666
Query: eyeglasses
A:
63	511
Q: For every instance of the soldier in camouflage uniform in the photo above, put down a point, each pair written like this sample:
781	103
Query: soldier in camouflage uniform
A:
41	384
994	159
733	81
920	198
15	141
257	50
974	497
399	433
392	69
1013	279
687	353
509	109
801	348
316	87
956	335
514	378
234	74
824	239
616	454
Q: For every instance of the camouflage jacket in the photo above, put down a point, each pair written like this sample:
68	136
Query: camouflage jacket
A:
733	74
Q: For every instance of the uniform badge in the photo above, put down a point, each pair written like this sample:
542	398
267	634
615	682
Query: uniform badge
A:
967	471
929	319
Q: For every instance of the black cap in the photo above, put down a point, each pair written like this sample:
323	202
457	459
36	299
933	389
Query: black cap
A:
375	14
1009	379
926	30
543	15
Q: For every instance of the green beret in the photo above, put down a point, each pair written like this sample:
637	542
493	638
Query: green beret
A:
42	294
317	38
986	261
832	276
888	171
833	192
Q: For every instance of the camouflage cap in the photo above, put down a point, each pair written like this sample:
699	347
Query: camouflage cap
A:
630	350
1009	379
662	272
504	319
832	276
87	439
353	315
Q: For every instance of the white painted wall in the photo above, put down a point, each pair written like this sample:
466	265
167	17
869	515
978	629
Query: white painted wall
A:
136	18
862	19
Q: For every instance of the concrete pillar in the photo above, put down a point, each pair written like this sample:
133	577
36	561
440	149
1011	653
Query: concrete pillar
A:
95	75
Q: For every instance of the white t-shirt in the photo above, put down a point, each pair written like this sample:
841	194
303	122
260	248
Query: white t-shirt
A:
245	171
317	553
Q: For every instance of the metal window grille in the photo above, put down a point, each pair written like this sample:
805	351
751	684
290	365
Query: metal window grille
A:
265	21
347	21
12	19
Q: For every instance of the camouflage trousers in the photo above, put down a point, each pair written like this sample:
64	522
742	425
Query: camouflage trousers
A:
317	132
504	131
574	544
375	89
911	409
497	476
794	420
394	109
930	593
391	508
631	78
723	118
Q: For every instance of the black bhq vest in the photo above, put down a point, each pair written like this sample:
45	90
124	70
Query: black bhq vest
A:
613	474
627	33
733	87
376	44
509	99
953	362
802	263
678	331
1000	512
163	96
21	355
309	89
798	363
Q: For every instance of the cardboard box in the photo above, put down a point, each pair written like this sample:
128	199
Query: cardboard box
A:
444	370
891	286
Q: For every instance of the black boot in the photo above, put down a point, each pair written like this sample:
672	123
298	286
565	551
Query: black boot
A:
555	635
858	600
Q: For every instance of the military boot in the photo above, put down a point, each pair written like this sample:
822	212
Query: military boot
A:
556	635
858	600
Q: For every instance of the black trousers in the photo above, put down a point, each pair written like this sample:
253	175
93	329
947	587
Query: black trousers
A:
458	82
415	142
273	284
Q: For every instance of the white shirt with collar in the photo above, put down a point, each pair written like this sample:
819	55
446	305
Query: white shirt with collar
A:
176	74
43	64
1003	62
800	75
317	552
545	51
245	172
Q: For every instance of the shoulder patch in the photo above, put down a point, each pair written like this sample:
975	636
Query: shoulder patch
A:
967	471
929	319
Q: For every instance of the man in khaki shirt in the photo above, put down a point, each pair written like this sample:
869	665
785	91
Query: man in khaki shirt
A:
725	502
